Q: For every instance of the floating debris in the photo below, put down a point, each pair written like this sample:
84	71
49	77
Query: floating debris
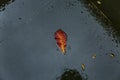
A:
61	38
19	18
112	55
98	2
83	67
94	56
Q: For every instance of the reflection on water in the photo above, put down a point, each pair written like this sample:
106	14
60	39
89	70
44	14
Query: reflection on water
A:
111	9
29	53
3	3
71	74
107	14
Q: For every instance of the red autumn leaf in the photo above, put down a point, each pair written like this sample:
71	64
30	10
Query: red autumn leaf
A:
61	39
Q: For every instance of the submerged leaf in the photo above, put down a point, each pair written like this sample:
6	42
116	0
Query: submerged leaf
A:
61	39
112	55
94	56
83	67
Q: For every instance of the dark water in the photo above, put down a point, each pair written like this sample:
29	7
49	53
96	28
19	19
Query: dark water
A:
112	11
3	3
28	50
70	74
